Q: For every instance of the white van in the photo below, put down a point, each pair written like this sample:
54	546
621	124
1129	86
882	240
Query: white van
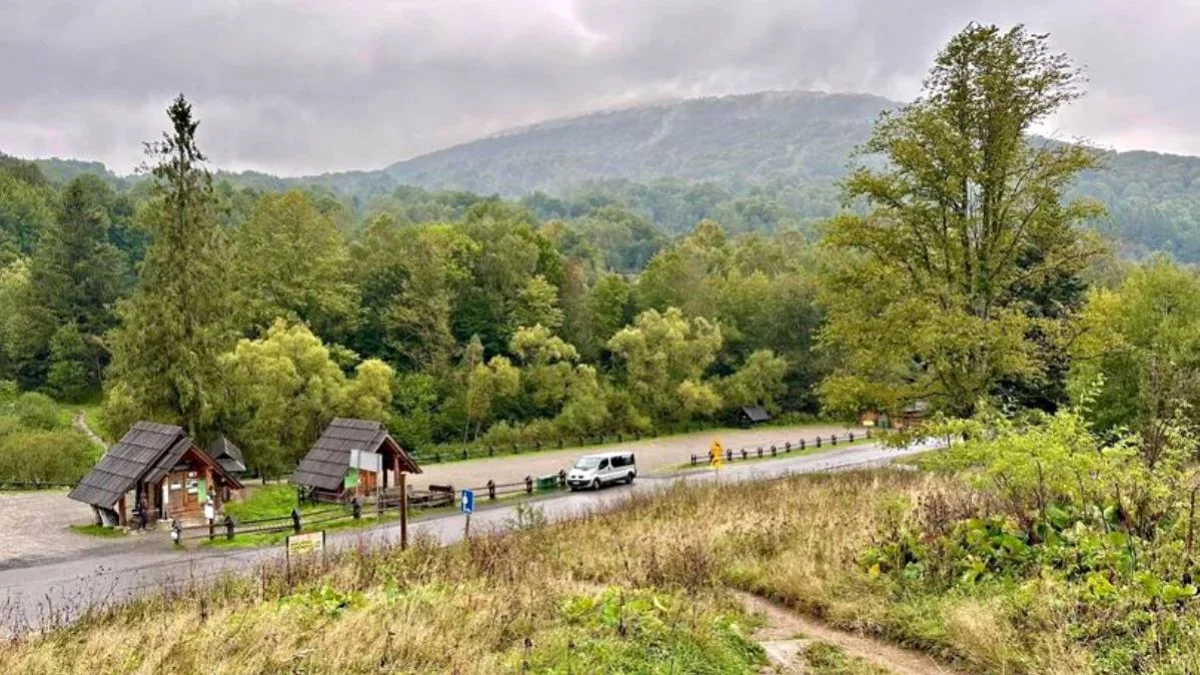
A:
593	471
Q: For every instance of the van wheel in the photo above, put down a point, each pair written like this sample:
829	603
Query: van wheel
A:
596	484
629	479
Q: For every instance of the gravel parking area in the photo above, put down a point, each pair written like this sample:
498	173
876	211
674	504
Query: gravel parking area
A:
653	455
34	526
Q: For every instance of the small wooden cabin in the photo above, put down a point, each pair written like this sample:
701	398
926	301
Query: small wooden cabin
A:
911	415
329	470
158	465
228	455
753	414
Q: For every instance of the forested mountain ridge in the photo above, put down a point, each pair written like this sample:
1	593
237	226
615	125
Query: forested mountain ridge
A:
755	162
738	141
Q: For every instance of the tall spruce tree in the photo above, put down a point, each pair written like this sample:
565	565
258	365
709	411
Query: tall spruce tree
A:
76	276
164	354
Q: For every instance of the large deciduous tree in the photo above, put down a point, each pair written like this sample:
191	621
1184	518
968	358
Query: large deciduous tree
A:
178	320
290	261
931	298
1136	363
280	391
25	210
409	279
664	357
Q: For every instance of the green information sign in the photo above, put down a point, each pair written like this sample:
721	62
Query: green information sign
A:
201	490
351	480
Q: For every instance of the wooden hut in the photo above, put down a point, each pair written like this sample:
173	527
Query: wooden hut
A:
353	457
753	414
155	464
228	455
912	415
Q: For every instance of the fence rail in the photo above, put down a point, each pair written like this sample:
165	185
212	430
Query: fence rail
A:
759	452
449	454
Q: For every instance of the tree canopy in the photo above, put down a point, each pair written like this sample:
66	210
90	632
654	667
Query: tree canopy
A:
967	222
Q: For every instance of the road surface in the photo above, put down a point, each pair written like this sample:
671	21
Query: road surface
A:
56	592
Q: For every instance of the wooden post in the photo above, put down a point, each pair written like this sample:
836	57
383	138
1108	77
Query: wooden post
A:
121	512
403	511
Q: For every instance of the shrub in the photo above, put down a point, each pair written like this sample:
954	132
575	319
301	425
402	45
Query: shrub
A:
501	434
37	411
46	456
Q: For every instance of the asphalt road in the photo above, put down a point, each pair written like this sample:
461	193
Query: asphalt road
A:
57	592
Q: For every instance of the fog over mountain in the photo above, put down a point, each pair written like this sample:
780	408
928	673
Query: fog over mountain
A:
322	85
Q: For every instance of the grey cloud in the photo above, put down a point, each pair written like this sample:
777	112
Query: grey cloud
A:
319	85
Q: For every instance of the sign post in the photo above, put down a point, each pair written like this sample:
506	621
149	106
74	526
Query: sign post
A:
301	546
468	507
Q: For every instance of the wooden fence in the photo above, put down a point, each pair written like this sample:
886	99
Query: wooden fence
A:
750	452
494	450
387	501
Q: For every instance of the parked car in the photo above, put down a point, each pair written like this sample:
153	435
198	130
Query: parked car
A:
595	471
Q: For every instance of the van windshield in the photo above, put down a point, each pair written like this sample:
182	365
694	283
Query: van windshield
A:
587	463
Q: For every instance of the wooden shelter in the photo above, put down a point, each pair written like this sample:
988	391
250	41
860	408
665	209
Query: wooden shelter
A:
753	414
329	470
228	455
162	467
912	415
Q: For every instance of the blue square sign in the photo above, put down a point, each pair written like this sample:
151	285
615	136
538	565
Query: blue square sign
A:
468	501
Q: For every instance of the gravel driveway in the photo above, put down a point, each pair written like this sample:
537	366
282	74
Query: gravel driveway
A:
653	454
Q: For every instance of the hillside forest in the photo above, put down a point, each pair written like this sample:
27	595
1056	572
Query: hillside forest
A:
457	318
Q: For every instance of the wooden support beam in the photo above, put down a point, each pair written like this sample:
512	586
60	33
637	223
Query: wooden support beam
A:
403	511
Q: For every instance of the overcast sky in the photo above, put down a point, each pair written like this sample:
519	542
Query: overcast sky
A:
304	86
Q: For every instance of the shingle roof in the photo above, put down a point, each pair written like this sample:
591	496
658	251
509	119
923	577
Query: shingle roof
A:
124	463
147	453
756	413
326	463
228	455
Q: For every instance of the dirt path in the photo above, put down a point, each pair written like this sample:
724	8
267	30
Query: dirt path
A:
81	425
787	633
